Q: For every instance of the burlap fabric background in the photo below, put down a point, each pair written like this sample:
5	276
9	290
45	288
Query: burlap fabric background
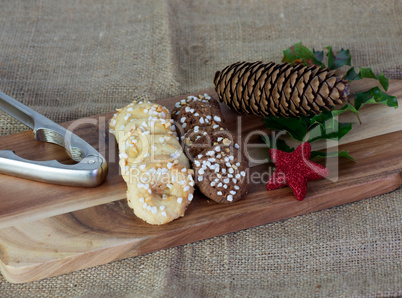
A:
69	59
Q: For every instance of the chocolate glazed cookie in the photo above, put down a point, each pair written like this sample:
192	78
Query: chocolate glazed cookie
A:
197	114
221	173
198	139
219	161
184	102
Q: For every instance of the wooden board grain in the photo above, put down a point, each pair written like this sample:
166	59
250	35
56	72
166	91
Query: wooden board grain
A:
23	200
50	230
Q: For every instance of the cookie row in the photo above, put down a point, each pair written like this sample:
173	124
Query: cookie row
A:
160	183
219	162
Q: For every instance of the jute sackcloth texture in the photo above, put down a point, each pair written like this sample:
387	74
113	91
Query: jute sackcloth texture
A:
70	59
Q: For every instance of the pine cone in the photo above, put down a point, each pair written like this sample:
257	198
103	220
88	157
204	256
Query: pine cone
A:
279	89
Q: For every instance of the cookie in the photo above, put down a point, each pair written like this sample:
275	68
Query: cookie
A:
219	162
139	112
201	98
160	192
200	138
198	114
160	184
221	174
144	148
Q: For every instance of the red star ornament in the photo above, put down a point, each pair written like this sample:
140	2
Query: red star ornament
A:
295	169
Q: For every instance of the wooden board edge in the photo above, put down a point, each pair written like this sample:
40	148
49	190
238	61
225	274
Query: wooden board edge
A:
126	249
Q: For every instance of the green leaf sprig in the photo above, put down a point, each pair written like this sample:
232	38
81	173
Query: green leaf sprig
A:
311	129
325	126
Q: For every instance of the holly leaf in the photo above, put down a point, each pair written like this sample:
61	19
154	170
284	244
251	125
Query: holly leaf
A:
289	55
367	72
321	118
321	126
341	58
319	55
321	154
303	52
277	144
374	96
383	81
345	108
331	115
294	126
351	75
266	140
300	53
330	132
331	56
281	145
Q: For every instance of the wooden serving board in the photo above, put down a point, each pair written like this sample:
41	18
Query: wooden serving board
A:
48	230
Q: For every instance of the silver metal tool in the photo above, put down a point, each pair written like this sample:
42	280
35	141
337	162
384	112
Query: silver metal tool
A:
90	171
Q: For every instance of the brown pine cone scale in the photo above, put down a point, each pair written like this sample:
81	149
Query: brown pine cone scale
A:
266	89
